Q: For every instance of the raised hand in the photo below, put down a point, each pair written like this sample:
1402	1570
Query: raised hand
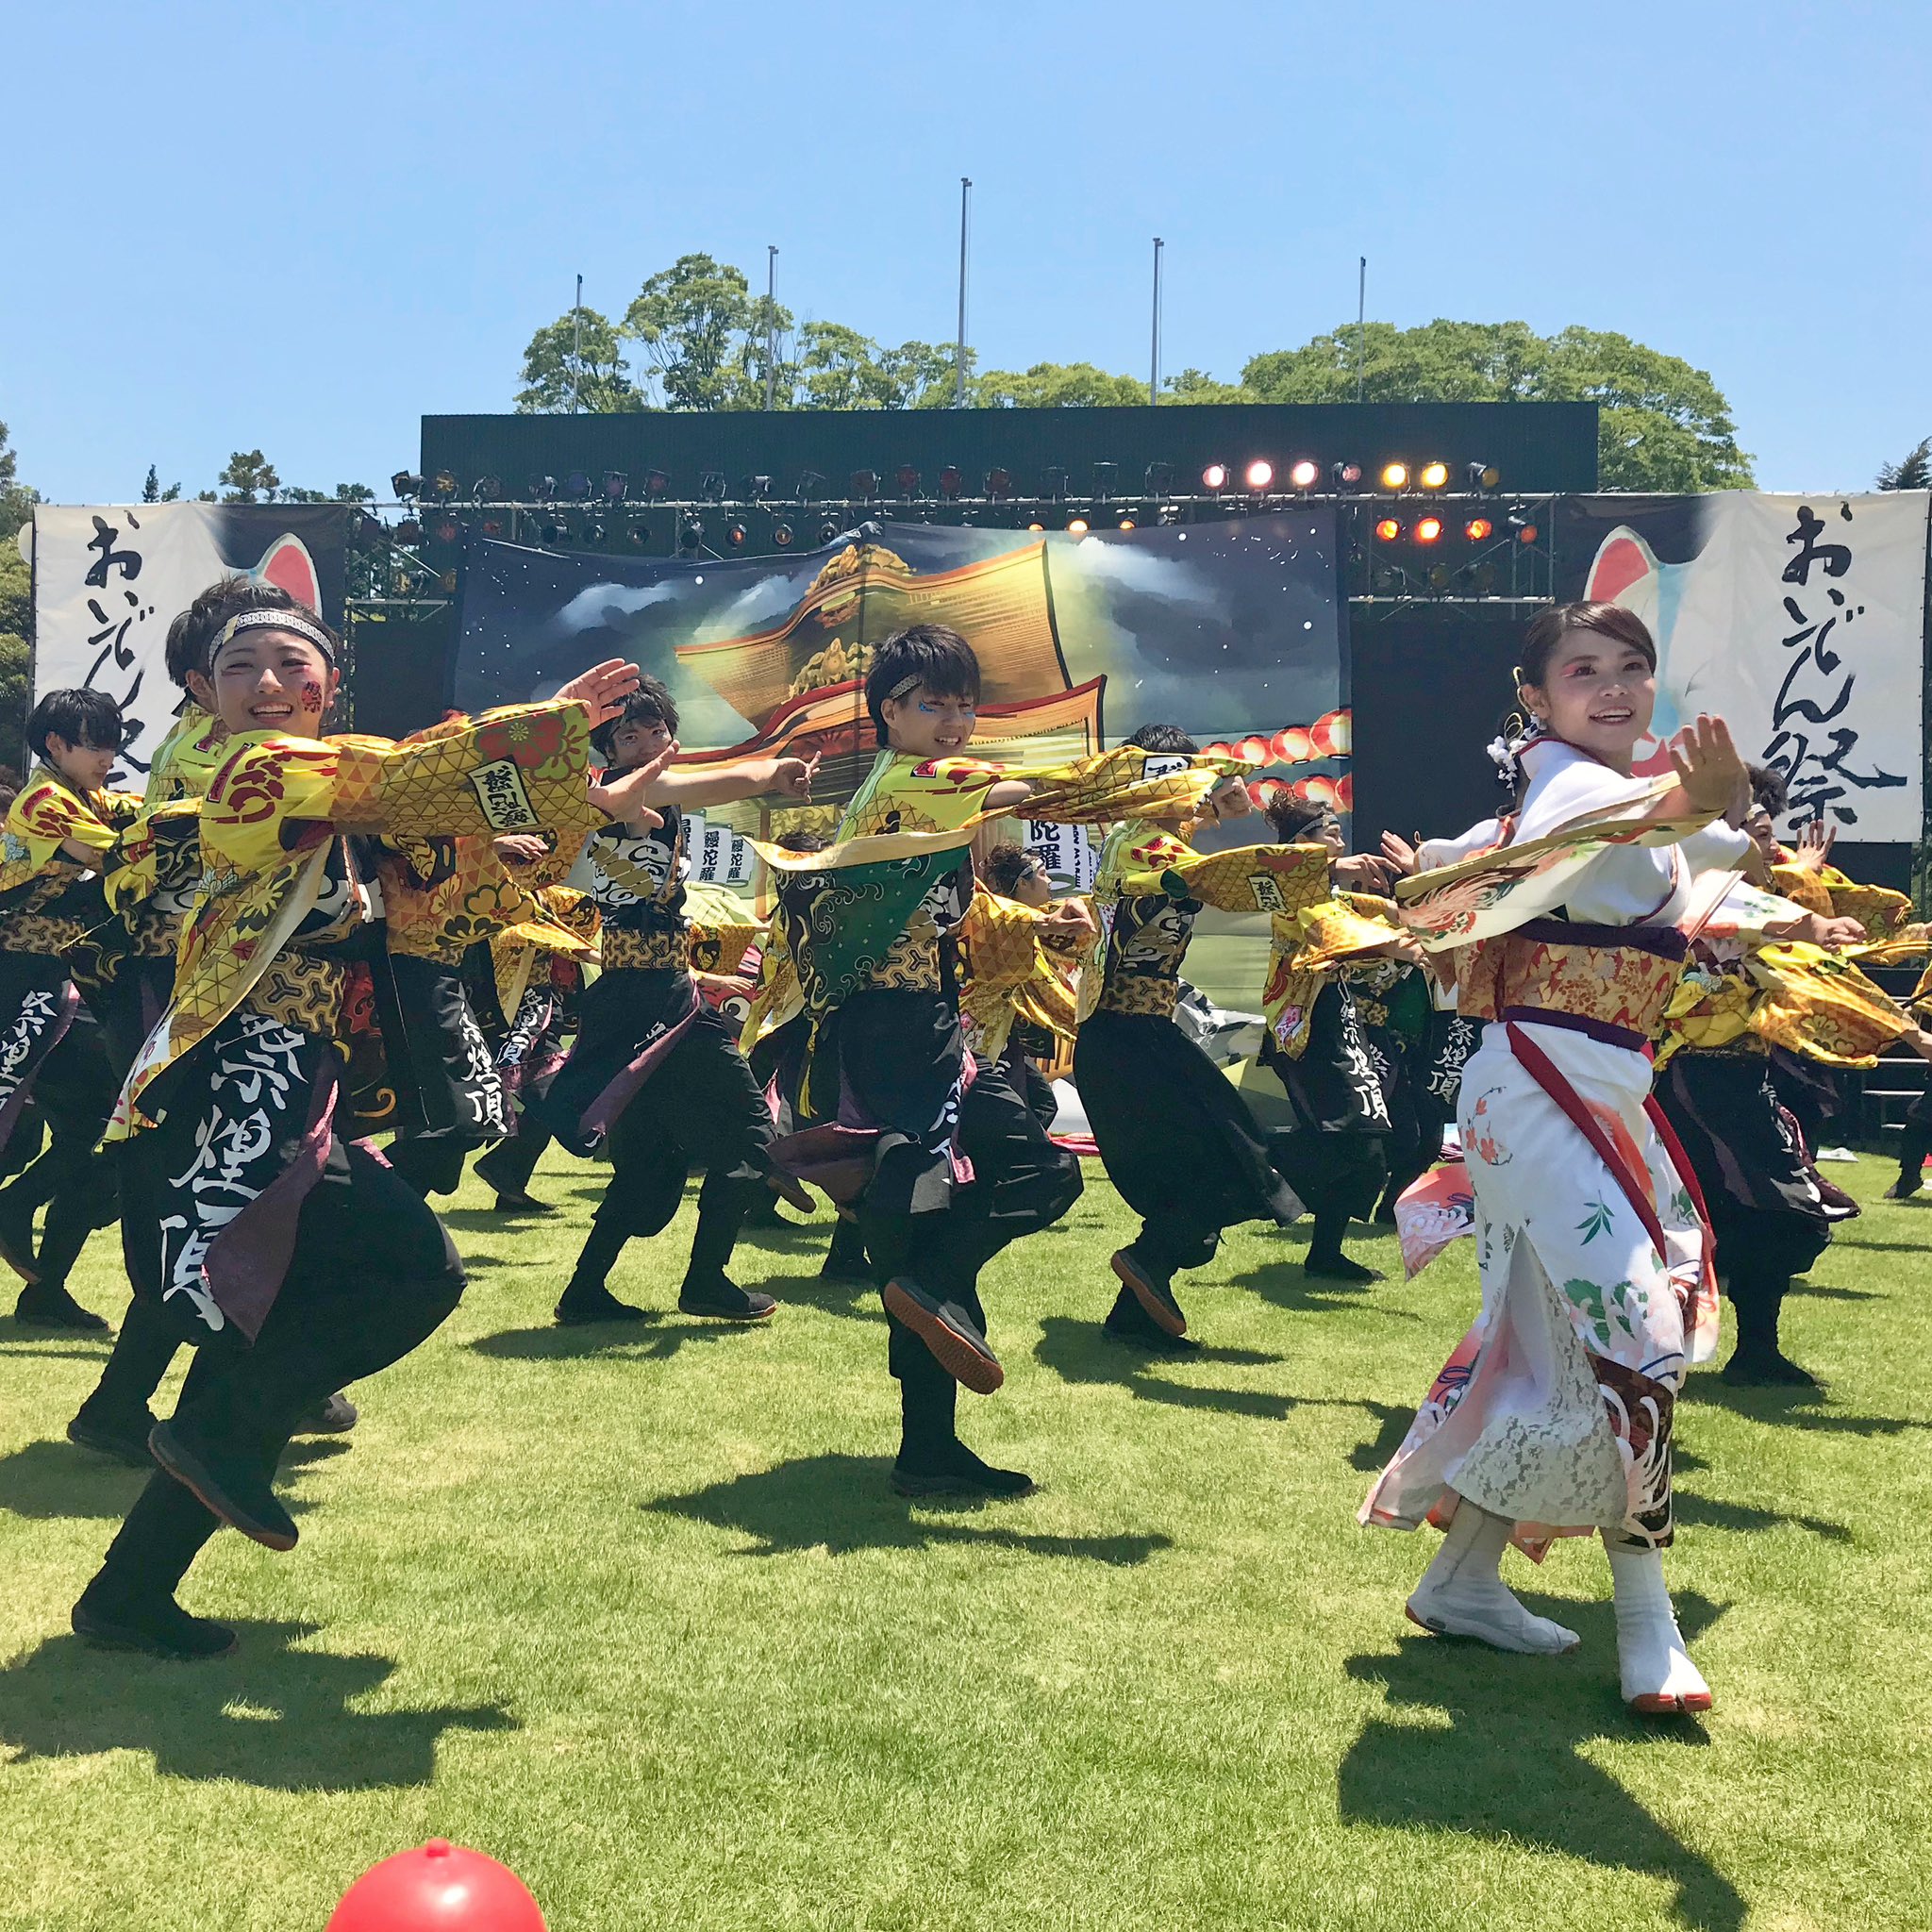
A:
792	777
520	848
1364	870
622	797
1400	855
1813	848
1835	935
602	689
1707	766
1229	799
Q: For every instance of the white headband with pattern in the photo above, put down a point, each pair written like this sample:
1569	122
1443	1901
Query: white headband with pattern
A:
297	621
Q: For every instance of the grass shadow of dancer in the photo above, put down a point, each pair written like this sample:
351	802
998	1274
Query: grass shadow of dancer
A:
1510	1766
272	1716
1081	1352
49	1479
842	1504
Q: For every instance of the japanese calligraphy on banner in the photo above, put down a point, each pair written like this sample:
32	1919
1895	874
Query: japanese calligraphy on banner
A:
1069	852
1799	619
108	581
716	855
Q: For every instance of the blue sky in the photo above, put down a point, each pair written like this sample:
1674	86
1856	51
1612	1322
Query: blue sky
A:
302	227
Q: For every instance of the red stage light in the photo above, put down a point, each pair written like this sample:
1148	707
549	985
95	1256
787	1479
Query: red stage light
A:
1214	477
1304	474
1428	529
1527	534
1388	530
1128	524
1259	473
1478	529
906	477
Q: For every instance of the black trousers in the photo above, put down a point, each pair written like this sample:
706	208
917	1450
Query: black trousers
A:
374	1274
701	1107
74	1092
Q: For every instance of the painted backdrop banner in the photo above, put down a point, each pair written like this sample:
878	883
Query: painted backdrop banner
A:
1800	619
108	581
1225	629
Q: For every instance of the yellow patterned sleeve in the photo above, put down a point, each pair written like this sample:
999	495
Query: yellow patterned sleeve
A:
144	854
1250	878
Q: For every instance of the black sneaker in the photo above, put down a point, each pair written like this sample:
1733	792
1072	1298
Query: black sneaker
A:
334	1416
1339	1268
225	1484
124	1438
45	1304
582	1305
157	1627
1771	1370
522	1204
949	1332
1137	1331
1150	1288
959	1472
722	1300
1903	1189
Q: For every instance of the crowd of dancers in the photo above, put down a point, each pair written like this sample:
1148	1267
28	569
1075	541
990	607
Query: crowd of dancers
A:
1628	998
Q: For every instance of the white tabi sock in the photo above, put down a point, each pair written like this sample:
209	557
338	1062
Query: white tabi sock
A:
1657	1670
1463	1593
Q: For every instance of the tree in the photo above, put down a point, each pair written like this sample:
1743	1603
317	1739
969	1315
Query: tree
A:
693	320
1914	473
16	608
1056	386
16	500
1197	386
250	477
577	362
151	491
1664	425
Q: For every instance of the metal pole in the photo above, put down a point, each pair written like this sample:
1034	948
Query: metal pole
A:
770	323
1154	374
576	351
1361	313
959	364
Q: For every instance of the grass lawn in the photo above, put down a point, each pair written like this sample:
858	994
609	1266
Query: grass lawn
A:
636	1612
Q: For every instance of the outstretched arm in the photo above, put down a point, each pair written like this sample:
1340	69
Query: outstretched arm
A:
725	784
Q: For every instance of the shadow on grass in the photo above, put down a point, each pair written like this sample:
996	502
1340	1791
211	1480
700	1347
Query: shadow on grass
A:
854	1301
1798	1408
841	1504
1289	1285
1845	1240
270	1715
1742	1516
1511	1767
14	1340
1817	1292
1391	1421
49	1479
654	1339
1085	1352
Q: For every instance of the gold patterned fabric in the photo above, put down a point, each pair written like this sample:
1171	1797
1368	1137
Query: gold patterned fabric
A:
1306	947
1803	887
1820	1005
442	896
189	756
999	954
624	950
1606	982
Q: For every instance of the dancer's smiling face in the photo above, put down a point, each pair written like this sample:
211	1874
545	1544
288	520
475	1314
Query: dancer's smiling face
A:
1597	695
273	680
930	725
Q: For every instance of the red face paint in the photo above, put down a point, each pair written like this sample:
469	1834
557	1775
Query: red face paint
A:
311	697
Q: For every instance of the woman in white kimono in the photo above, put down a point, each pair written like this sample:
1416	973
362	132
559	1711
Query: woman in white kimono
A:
1568	917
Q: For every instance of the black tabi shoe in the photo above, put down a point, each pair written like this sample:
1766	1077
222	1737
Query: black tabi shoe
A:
1903	1189
1338	1268
45	1305
581	1307
1149	1287
225	1485
522	1204
958	1473
790	1189
949	1332
334	1416
154	1627
1137	1331
124	1438
722	1300
1775	1370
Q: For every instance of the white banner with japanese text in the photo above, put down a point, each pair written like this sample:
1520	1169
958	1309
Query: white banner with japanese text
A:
109	580
1800	620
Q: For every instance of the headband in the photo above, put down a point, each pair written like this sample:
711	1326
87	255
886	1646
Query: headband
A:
904	685
296	621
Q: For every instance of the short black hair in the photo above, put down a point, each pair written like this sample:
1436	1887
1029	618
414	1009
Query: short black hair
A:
1007	864
1293	818
650	704
937	659
80	717
1769	788
1164	737
801	842
193	632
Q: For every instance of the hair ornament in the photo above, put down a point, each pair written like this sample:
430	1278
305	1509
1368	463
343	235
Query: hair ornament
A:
1506	749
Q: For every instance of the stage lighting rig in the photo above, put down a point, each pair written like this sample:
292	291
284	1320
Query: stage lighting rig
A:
657	484
447	529
734	533
542	489
906	478
782	536
1035	526
1052	482
1127	523
1428	529
408	533
1484	475
1159	480
809	481
1304	474
1478	529
576	485
828	529
1388	530
487	490
556	531
1103	474
753	489
640	533
406	485
616	486
862	486
999	483
711	487
1076	526
1345	476
691	533
1395	476
594	533
442	486
1433	476
491	526
1259	475
1214	478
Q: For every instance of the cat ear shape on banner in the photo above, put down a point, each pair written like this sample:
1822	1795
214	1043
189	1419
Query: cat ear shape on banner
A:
287	564
1622	561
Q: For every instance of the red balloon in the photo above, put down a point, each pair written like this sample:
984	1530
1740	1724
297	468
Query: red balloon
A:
440	1887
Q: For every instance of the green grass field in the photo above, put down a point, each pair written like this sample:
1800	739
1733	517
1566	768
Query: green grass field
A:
636	1612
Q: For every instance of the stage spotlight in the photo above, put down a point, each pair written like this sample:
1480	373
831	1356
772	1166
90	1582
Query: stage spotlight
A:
1478	529
690	532
1345	476
734	533
1158	479
616	486
1526	534
1214	478
447	529
1441	576
1428	529
555	530
487	490
1394	475
863	485
999	483
594	533
1484	475
711	487
781	535
1304	474
1103	474
448	580
640	534
1388	530
408	532
656	483
1258	475
828	528
1052	482
1127	523
1076	526
576	485
809	481
754	488
950	482
443	484
906	477
491	526
1036	527
406	485
1433	476
542	489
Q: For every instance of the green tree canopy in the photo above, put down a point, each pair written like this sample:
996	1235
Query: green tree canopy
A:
1056	386
1914	473
250	477
577	362
16	608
